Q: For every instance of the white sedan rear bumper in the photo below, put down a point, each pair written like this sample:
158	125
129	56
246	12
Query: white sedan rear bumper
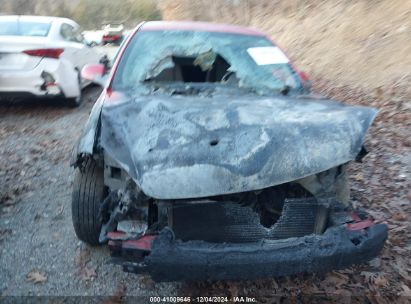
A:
33	82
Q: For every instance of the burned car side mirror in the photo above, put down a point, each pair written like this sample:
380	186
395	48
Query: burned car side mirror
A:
305	81
94	73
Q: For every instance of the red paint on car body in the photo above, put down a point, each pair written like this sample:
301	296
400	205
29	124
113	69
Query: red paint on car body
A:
143	243
199	26
90	71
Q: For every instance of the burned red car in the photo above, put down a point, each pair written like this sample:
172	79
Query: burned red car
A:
207	157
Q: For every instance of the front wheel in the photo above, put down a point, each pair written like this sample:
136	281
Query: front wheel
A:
88	194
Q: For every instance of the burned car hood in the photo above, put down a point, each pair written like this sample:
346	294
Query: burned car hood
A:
178	147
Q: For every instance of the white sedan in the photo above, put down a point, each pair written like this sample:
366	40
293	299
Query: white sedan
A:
42	56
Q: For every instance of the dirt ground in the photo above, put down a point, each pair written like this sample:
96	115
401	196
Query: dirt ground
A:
40	255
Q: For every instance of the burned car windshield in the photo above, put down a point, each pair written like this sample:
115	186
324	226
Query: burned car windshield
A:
244	61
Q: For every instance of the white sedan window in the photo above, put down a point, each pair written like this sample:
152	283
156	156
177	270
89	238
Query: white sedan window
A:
24	28
70	33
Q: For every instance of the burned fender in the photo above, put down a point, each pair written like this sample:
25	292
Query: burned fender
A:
86	143
177	147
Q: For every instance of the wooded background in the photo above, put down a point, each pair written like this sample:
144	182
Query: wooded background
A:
90	14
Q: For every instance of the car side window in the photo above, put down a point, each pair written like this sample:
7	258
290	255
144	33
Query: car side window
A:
66	32
70	33
78	36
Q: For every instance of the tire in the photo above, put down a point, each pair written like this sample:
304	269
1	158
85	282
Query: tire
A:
119	41
88	194
76	101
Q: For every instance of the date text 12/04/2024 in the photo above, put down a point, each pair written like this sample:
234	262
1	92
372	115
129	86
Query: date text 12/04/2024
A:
237	299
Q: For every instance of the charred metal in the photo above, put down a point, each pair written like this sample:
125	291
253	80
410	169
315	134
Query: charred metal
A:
280	230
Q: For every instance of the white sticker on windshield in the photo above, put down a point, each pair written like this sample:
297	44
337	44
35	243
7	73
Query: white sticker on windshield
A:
267	55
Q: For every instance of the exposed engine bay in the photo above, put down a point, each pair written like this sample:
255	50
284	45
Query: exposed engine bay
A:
288	210
301	211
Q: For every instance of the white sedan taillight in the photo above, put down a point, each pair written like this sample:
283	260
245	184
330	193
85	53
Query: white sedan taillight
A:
48	53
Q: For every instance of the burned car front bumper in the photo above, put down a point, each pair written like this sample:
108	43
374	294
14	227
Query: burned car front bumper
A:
166	259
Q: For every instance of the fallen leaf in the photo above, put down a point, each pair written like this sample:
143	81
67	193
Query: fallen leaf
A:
399	216
344	293
147	282
402	271
375	297
118	295
369	276
60	210
399	229
4	233
59	214
87	273
380	281
406	291
36	277
359	176
335	279
233	289
82	257
376	262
